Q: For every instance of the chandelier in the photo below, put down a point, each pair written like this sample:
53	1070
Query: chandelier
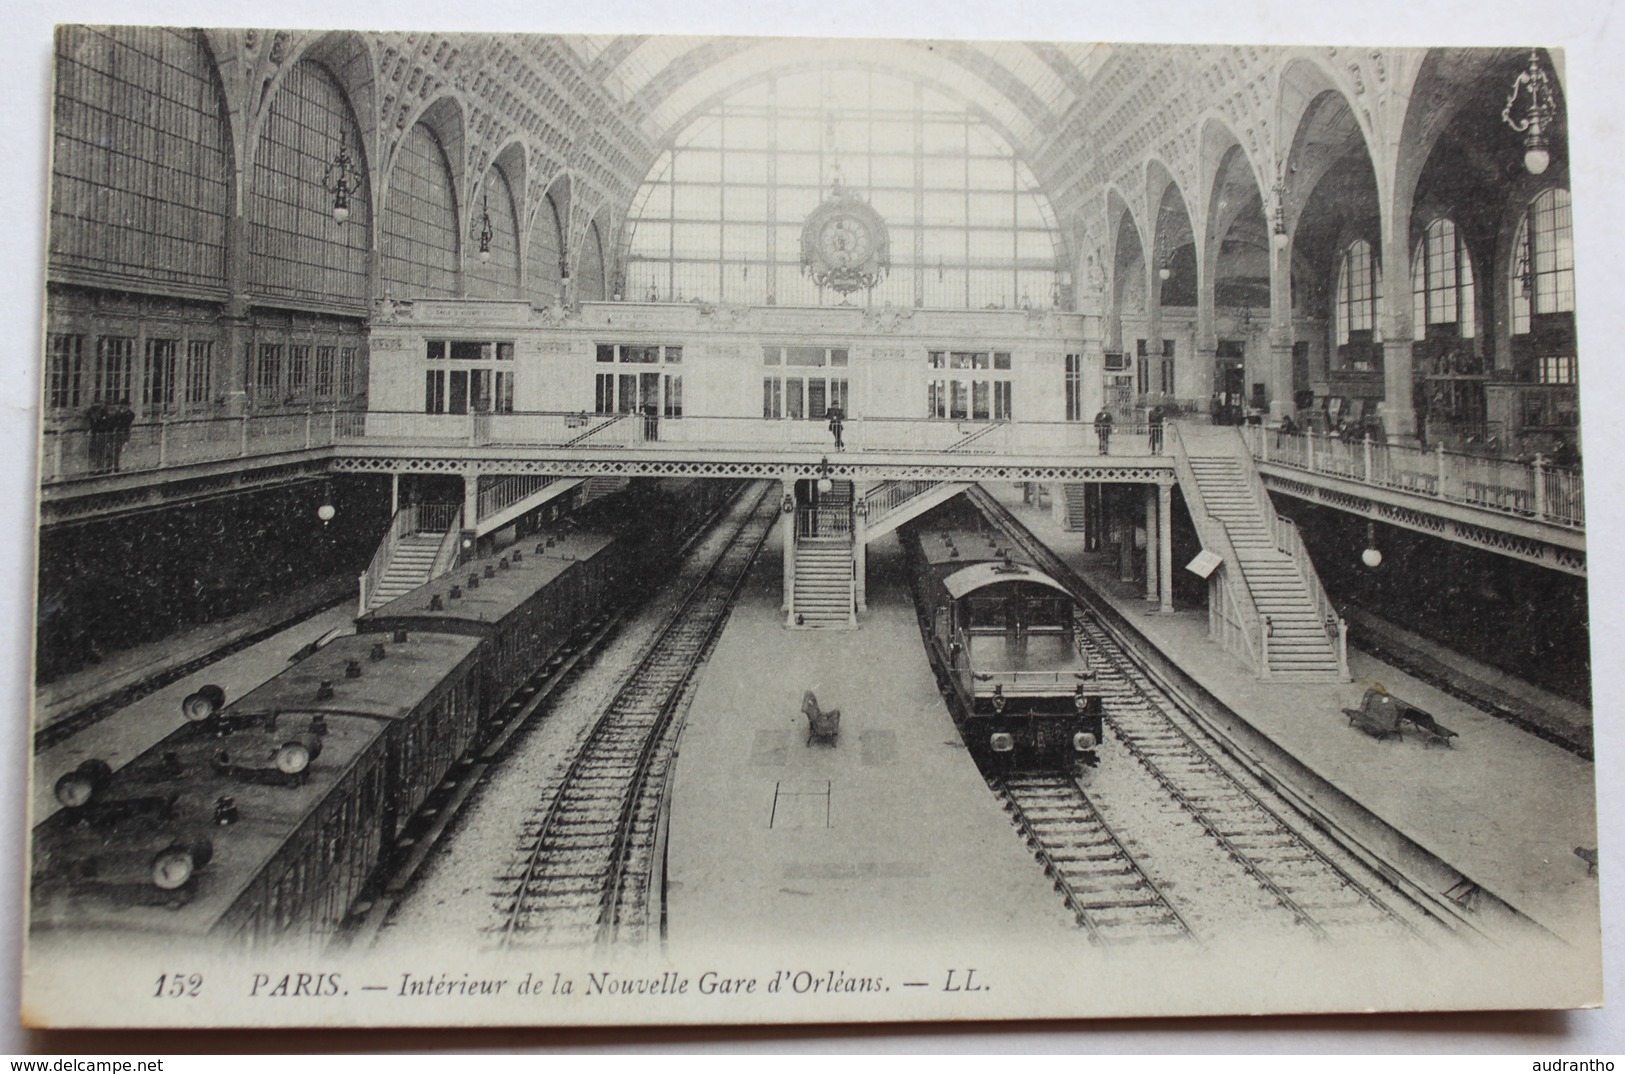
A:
342	179
1534	119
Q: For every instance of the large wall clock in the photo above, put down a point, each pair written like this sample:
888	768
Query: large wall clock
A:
844	244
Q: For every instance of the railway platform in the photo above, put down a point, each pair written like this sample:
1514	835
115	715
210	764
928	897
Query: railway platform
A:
886	834
1502	807
125	732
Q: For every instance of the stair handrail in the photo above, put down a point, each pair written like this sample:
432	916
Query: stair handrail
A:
1216	538
506	491
969	439
404	521
887	496
445	556
1287	539
1290	541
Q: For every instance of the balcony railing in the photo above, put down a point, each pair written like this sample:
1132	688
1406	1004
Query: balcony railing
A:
147	446
1530	489
157	445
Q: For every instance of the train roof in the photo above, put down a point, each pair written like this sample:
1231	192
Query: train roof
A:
387	689
968	580
497	596
951	547
90	869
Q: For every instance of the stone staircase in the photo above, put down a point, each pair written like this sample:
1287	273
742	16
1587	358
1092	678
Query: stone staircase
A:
1076	517
408	568
823	594
1300	648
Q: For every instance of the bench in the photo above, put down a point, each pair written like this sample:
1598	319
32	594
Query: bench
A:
1377	716
821	725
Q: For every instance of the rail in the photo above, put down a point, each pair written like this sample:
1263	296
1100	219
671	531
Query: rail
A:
445	556
403	522
413	518
165	443
888	496
824	521
504	492
1234	619
1287	539
1290	541
1526	489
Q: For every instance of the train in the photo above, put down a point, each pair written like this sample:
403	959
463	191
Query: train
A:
264	821
1001	635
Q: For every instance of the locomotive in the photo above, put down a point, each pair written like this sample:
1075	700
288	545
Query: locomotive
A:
1001	636
262	821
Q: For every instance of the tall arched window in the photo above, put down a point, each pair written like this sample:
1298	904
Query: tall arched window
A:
1542	286
420	246
719	216
543	274
1543	269
1359	282
141	170
498	275
1442	283
590	287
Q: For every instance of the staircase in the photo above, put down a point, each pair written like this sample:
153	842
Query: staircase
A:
419	546
411	566
823	594
597	488
1299	645
890	504
1076	516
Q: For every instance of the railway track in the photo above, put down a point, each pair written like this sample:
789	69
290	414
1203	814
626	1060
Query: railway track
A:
587	858
1308	877
1320	893
1112	897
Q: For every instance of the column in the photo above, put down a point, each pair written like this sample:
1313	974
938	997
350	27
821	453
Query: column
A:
1394	315
1125	533
1151	541
1277	376
1165	545
1200	382
788	530
471	510
860	545
394	494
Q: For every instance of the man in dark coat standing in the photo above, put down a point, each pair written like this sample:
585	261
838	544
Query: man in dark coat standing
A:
1103	429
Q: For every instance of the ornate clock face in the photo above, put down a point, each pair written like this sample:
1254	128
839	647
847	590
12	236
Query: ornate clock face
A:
843	244
845	241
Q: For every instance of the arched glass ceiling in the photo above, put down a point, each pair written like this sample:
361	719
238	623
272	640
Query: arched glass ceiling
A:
720	215
1024	88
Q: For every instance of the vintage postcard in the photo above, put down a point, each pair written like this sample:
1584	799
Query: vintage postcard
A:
555	529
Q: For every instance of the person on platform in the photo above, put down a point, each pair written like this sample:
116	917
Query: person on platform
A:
1287	428
1155	419
1103	430
836	423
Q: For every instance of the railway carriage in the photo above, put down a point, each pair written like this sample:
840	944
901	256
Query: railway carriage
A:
1002	637
262	820
523	604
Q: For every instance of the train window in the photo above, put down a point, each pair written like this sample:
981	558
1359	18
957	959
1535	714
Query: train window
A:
1049	613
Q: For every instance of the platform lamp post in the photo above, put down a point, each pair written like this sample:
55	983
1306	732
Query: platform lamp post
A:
825	481
1371	557
1535	118
342	179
